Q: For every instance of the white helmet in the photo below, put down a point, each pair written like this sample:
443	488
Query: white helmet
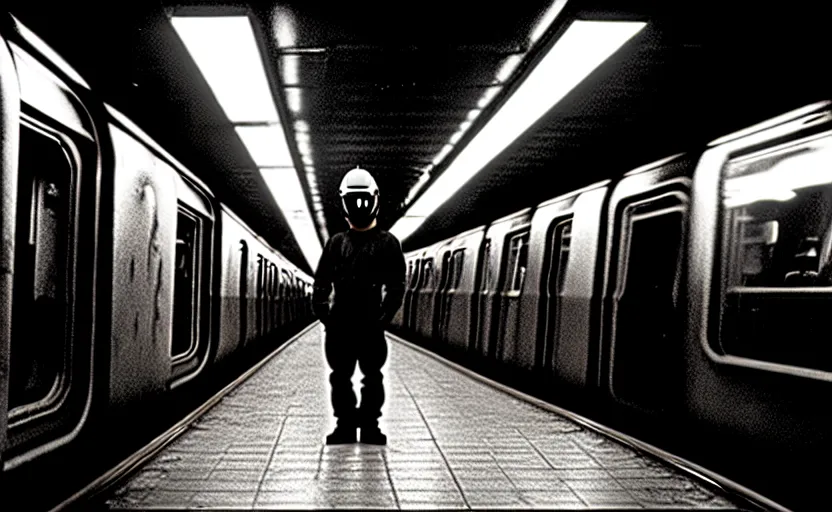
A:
359	197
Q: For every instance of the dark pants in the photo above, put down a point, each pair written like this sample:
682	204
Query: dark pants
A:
346	345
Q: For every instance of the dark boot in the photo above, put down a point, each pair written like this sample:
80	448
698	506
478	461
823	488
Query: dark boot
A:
373	435
343	434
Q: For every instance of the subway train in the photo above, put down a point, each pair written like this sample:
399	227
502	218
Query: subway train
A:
122	277
690	291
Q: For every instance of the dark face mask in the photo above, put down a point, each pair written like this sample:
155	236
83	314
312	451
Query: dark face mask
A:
361	208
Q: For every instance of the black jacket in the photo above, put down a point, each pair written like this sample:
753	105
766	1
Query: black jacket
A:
358	264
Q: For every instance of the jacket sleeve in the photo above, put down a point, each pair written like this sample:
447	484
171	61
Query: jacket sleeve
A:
323	284
395	276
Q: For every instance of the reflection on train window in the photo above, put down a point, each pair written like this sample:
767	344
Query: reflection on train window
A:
456	265
518	257
777	246
186	283
39	347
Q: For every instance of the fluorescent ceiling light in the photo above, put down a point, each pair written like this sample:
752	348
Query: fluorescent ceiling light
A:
547	19
584	46
487	96
293	99
508	67
286	190
291	63
266	145
227	55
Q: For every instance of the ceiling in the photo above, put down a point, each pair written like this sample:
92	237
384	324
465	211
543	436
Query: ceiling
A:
385	86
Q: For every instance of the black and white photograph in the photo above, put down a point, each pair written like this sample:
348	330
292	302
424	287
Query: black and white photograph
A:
319	255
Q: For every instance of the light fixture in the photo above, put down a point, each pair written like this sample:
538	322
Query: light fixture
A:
547	19
266	145
226	52
584	46
227	55
487	96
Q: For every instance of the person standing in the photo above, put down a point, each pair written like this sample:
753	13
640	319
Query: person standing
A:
358	262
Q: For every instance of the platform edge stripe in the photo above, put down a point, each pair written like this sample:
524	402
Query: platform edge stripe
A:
140	457
711	478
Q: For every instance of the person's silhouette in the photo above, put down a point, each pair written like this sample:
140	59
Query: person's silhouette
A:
358	262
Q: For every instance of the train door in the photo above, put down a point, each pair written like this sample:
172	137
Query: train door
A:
275	306
512	286
439	296
558	243
299	299
482	314
411	290
287	290
646	332
243	292
261	271
449	295
48	213
423	309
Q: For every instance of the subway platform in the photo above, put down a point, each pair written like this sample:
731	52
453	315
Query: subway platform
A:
454	442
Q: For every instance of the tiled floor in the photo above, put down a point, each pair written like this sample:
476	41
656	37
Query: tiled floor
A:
453	443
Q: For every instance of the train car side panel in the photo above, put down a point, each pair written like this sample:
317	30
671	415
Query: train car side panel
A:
9	141
144	245
572	352
513	255
641	354
460	296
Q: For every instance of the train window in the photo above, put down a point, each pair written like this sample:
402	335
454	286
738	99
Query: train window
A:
561	241
456	263
518	258
186	282
777	255
40	352
410	274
